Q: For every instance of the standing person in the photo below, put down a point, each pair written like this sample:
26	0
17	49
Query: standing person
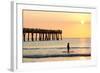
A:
68	48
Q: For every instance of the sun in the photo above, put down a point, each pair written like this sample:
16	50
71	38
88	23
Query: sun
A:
82	21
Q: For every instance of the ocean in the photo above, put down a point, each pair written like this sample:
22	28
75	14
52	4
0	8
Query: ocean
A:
56	50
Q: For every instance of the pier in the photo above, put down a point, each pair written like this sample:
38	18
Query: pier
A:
36	34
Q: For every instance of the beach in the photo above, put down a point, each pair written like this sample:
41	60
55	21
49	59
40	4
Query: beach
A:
39	51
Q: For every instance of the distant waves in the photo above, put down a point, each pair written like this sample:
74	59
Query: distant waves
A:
57	48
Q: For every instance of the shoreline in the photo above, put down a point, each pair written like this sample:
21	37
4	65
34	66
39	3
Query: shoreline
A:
56	55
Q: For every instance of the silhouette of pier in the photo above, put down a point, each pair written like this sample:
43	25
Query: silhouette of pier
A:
35	34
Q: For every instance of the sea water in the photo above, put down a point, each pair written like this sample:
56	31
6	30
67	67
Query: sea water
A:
56	47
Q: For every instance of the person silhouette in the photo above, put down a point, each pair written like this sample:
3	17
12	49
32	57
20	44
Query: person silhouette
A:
68	48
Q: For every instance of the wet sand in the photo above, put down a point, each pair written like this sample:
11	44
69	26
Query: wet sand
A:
55	59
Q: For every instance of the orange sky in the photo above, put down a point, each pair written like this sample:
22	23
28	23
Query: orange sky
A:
73	25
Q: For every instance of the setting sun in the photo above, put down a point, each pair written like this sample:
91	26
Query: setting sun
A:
82	21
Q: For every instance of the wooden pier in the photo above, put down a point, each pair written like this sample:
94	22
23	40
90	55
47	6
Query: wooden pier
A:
31	34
